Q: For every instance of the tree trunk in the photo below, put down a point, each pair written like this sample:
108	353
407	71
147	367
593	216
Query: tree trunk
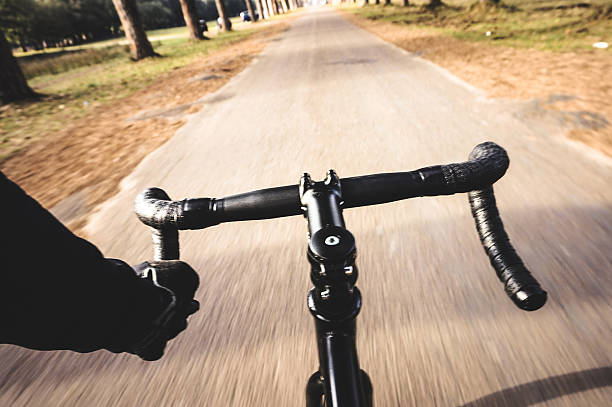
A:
264	6
271	7
284	5
140	47
250	10
259	9
224	20
13	85
191	19
377	1
387	2
406	3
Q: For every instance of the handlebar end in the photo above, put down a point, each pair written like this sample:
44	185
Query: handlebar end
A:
530	298
487	163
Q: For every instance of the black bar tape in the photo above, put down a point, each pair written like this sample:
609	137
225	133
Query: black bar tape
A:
165	243
519	284
154	208
487	163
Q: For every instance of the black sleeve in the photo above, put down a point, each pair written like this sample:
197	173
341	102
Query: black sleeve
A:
57	291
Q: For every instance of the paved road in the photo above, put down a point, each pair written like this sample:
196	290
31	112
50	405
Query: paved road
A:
436	328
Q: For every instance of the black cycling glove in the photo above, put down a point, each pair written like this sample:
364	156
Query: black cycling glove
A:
57	291
179	282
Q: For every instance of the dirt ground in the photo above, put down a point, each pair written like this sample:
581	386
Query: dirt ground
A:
576	85
81	166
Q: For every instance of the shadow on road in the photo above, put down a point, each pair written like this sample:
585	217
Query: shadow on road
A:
546	389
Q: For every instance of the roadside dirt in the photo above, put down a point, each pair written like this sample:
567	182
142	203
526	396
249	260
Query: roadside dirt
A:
577	86
74	170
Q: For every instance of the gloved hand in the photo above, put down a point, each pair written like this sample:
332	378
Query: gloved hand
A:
57	291
178	282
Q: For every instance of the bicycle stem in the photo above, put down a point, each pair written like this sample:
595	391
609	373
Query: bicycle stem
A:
334	301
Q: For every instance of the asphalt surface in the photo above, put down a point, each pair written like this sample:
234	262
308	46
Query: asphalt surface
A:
436	328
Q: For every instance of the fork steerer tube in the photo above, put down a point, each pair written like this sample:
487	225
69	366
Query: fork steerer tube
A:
338	362
334	301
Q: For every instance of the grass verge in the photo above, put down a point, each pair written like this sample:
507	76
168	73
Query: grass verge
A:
554	25
72	94
565	77
62	61
83	151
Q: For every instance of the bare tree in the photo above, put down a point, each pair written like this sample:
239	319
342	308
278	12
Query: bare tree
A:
225	25
191	19
259	9
13	85
250	10
272	11
140	47
266	9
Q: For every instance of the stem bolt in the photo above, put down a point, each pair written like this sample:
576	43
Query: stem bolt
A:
332	240
325	294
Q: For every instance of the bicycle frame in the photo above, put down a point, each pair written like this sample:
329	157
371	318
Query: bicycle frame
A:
334	301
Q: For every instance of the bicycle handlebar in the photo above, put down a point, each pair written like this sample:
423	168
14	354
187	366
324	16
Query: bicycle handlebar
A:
487	163
522	288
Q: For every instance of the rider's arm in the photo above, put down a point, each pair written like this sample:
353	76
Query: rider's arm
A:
57	291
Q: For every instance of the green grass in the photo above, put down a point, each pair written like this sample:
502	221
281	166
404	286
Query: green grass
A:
555	25
62	61
72	94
